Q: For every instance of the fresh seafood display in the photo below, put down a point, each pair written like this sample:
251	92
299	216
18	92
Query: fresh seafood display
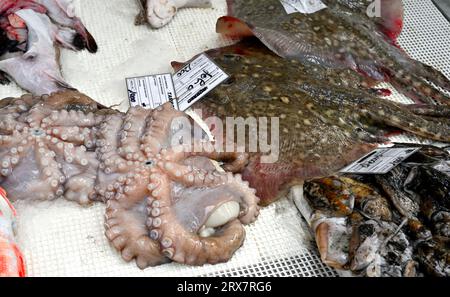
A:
159	13
30	31
342	36
323	124
396	224
11	259
165	201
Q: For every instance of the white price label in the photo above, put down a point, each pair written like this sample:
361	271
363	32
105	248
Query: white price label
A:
380	161
151	91
196	79
303	6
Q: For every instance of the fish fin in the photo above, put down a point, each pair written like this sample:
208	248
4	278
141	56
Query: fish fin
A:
230	7
233	27
397	116
88	39
177	65
91	44
294	48
141	17
60	82
430	110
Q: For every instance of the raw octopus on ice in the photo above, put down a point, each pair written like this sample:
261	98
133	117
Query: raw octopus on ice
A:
165	201
30	31
342	36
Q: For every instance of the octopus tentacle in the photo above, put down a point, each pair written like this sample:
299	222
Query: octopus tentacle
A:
52	175
9	124
132	130
77	155
159	128
81	188
75	135
11	158
73	118
125	223
183	245
107	144
234	161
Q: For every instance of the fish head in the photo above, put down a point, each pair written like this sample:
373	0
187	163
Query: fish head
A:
36	72
332	194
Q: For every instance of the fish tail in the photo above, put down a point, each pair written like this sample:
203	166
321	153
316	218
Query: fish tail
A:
430	110
91	44
230	7
401	117
418	89
434	76
88	39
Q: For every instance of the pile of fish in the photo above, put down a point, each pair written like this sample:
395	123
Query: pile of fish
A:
11	259
341	37
396	224
30	33
315	122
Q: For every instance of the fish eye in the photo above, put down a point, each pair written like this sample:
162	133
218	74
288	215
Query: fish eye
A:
149	163
232	57
30	56
229	81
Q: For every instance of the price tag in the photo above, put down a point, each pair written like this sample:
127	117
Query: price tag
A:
151	91
380	161
302	6
196	79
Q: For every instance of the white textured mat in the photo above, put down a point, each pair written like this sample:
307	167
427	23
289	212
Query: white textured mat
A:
63	239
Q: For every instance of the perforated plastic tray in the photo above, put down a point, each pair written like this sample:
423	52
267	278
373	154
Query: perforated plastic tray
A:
63	239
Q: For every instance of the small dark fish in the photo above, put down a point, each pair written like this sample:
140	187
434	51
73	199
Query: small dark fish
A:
412	240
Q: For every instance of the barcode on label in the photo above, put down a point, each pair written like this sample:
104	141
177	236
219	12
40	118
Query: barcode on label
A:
380	161
151	91
196	79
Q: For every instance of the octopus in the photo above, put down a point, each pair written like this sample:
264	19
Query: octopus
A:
158	13
344	36
165	201
320	123
31	32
